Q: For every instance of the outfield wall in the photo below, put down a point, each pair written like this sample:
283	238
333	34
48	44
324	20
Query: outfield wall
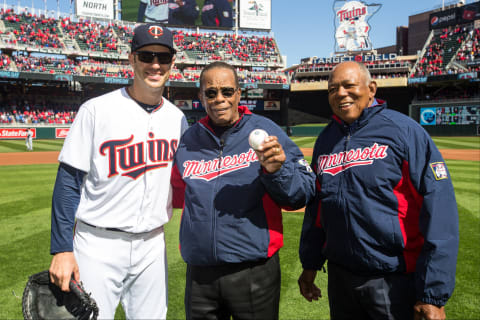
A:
61	132
17	133
40	132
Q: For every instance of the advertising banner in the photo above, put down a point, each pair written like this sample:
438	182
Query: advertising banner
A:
182	13
197	105
468	13
16	133
61	133
184	104
255	14
94	8
351	25
271	105
443	19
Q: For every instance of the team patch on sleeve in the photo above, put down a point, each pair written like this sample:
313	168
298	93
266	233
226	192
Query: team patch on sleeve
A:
304	163
439	170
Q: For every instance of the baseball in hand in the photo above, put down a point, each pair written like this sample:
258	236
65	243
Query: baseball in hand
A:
256	137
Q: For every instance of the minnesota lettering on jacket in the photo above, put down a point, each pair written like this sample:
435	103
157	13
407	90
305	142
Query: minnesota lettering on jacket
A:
338	162
211	169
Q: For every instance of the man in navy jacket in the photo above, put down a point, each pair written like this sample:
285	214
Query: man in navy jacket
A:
384	215
231	227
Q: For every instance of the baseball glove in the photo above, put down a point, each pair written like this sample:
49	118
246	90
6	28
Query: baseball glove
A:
44	300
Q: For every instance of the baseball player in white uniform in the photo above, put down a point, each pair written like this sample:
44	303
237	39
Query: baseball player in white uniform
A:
153	10
113	183
29	140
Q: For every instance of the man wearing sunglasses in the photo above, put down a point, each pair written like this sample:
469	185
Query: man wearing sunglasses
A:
113	184
231	228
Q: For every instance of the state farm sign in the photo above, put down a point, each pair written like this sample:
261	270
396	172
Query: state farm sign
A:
16	133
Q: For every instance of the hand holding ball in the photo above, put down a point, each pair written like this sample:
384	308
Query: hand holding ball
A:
256	138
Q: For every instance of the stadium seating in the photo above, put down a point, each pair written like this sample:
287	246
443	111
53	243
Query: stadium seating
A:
89	38
314	72
444	47
83	47
31	31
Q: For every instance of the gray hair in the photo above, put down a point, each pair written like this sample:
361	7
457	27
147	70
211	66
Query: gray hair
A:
221	65
363	69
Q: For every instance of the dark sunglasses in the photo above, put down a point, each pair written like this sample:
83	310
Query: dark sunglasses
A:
148	56
227	92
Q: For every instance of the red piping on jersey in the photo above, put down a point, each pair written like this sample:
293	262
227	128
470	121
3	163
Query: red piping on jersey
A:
273	214
409	206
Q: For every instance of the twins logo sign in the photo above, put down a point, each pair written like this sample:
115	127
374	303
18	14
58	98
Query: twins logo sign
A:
351	24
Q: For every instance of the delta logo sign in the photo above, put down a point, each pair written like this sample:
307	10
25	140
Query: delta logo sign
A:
61	133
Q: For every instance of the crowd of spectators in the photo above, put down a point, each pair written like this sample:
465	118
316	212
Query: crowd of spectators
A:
113	68
448	94
314	72
46	64
90	35
216	46
32	30
54	113
377	64
5	62
247	76
469	53
121	69
441	49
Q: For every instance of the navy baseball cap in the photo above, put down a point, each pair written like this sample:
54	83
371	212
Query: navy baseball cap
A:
152	33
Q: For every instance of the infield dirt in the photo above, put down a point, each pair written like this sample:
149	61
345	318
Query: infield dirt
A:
21	158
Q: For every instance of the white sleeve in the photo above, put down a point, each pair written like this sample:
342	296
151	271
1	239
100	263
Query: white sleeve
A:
184	125
77	149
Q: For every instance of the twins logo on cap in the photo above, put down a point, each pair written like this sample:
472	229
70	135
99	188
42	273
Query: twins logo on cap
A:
155	31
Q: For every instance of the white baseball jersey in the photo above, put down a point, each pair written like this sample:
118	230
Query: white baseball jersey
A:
127	153
156	11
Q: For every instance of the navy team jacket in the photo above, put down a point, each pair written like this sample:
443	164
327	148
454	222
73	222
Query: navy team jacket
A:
384	203
232	208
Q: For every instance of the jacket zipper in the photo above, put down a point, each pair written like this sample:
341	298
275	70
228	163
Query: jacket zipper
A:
341	187
214	216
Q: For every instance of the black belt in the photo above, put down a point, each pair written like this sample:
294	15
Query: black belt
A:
103	228
118	230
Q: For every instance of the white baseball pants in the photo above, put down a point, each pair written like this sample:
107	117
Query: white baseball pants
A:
123	267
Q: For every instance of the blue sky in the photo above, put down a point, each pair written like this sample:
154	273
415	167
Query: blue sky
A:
305	28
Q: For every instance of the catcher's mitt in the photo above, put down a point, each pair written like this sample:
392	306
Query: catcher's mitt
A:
44	300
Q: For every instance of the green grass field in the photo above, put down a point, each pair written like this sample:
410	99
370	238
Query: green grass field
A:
25	196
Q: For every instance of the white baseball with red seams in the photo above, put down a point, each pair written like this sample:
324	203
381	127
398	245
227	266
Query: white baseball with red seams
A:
256	138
